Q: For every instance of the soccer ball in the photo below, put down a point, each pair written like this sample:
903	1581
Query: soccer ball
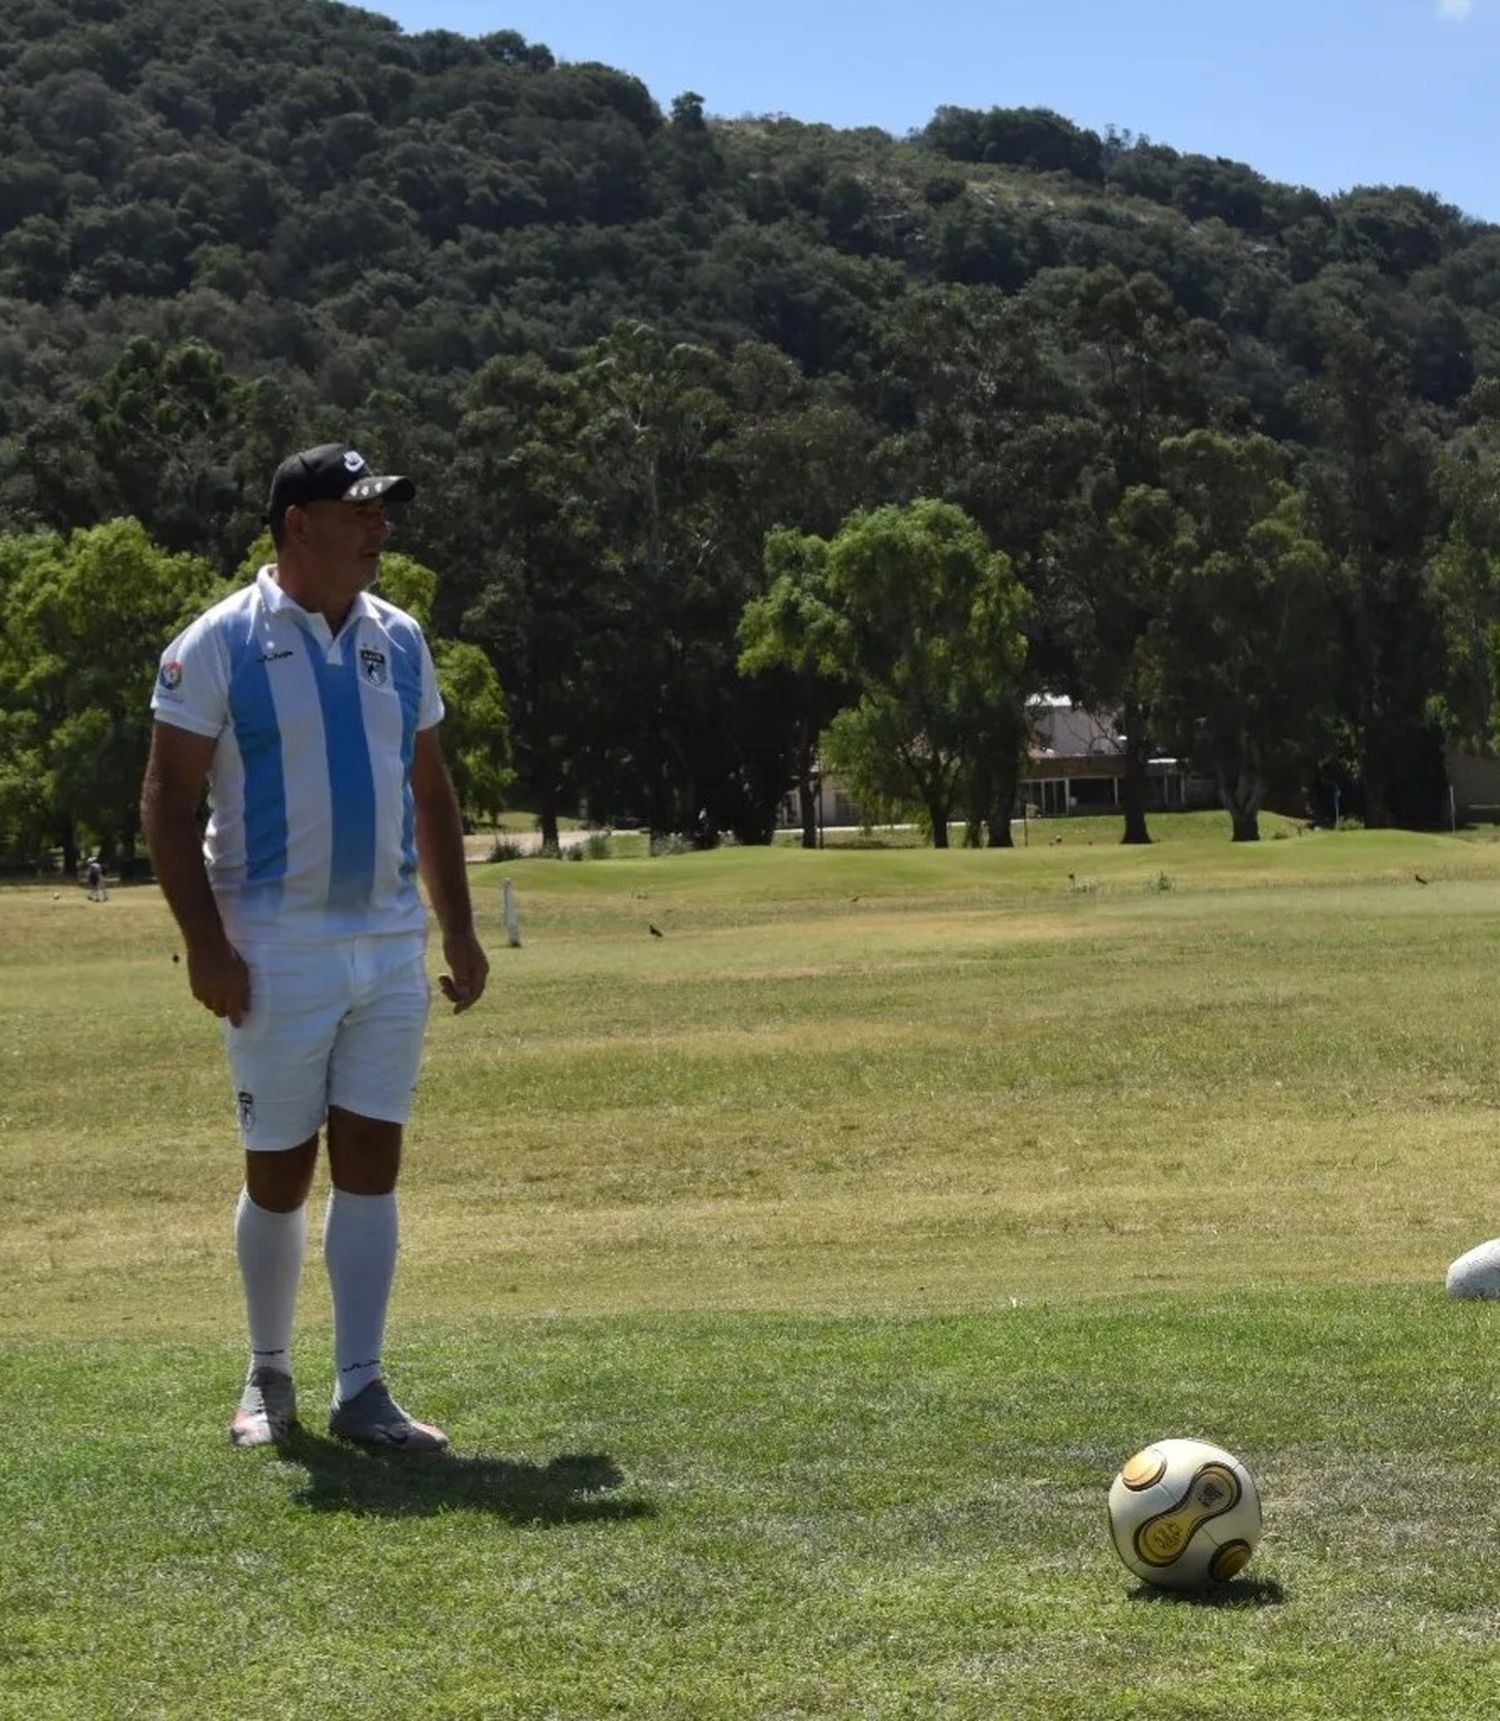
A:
1184	1514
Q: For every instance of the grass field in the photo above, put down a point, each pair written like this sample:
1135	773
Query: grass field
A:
792	1285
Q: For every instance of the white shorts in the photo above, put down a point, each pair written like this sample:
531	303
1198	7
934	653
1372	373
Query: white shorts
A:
329	1025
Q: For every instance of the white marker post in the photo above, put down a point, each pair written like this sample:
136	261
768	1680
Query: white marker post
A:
512	919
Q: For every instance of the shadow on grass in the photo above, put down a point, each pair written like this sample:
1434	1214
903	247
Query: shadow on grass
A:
572	1488
1241	1593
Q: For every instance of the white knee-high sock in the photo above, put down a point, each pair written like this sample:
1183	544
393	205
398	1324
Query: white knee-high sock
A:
359	1248
269	1247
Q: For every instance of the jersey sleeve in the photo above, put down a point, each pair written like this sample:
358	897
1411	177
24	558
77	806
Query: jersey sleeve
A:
192	682
430	708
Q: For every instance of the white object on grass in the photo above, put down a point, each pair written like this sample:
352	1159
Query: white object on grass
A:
1477	1273
1184	1514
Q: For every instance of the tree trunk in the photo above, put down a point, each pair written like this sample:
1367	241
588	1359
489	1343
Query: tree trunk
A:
1133	784
547	819
1243	796
68	841
1008	776
938	818
807	807
1377	809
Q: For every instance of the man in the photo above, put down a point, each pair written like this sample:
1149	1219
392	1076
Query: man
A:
94	875
312	710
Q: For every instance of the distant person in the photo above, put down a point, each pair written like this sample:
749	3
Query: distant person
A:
93	873
311	709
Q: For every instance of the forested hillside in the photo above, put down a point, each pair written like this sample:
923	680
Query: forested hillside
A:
1234	439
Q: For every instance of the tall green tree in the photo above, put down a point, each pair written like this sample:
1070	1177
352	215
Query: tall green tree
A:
1147	369
84	621
923	619
162	425
795	632
476	729
1247	650
539	592
1373	484
1464	576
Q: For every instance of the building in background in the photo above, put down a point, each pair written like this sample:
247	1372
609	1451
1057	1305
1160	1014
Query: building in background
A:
1075	764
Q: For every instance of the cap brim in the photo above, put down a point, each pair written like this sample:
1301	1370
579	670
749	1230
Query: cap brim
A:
387	485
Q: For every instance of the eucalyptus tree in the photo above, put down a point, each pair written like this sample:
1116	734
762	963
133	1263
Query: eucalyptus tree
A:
922	621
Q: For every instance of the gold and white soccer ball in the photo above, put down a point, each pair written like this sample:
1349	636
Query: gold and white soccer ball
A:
1184	1514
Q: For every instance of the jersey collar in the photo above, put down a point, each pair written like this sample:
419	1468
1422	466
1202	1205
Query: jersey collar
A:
277	602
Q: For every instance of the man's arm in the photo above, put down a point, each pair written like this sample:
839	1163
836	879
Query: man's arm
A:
440	856
170	795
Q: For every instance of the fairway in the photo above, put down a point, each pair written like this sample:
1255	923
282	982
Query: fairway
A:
791	1285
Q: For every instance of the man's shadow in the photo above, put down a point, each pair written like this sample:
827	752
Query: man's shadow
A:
569	1489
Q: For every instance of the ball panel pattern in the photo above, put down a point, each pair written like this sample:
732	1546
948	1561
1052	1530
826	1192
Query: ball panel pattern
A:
1197	1523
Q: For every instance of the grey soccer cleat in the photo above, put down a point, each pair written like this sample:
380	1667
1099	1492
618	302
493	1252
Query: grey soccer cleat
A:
373	1418
267	1410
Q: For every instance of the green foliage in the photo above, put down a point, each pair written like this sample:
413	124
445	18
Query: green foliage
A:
83	620
408	585
617	346
1020	137
921	621
476	730
1247	644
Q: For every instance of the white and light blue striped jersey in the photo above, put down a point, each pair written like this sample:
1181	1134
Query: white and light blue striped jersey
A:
311	831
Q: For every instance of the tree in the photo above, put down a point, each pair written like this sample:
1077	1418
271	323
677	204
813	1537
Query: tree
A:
912	607
84	620
795	631
624	545
540	596
1107	565
1246	653
1372	483
1464	576
1112	562
476	731
161	425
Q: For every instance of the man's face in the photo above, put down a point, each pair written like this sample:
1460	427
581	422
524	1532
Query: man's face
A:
343	540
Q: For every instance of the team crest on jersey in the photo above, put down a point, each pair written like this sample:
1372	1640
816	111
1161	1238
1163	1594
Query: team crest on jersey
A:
372	664
170	676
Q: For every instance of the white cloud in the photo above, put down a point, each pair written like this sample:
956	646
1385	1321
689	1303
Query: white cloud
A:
1456	10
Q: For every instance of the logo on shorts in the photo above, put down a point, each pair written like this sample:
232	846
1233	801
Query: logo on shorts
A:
169	676
246	1102
372	664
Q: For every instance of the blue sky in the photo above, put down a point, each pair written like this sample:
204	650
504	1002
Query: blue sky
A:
1326	93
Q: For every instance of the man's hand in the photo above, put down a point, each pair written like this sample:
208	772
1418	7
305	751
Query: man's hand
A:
468	969
220	981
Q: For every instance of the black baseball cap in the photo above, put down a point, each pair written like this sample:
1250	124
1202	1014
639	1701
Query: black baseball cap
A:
331	472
